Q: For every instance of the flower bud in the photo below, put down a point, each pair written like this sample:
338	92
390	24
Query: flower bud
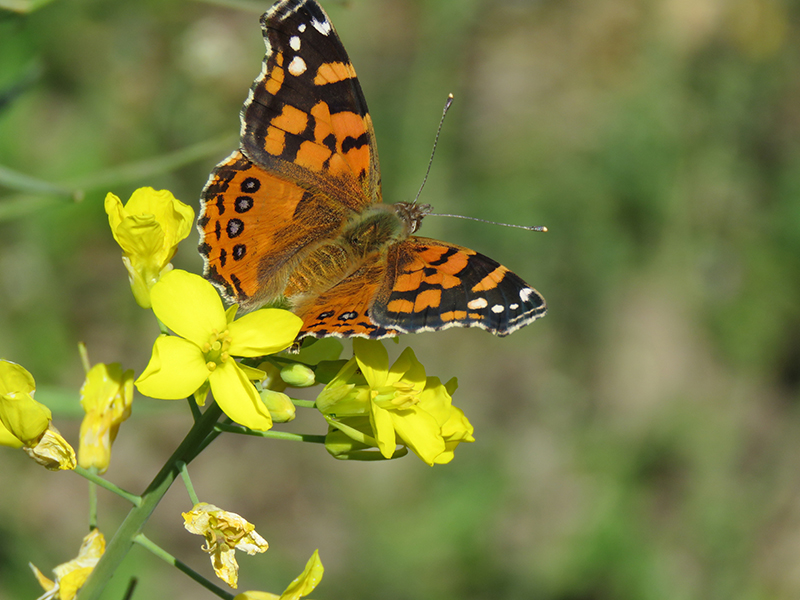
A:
298	375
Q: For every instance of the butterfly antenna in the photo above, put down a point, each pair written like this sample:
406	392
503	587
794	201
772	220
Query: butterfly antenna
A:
447	104
525	227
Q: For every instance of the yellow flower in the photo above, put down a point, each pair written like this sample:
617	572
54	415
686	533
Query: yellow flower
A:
302	586
52	451
378	406
224	532
71	575
106	397
210	338
148	229
25	418
26	423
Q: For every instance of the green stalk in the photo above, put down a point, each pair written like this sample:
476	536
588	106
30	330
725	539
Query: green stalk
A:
123	539
92	476
145	542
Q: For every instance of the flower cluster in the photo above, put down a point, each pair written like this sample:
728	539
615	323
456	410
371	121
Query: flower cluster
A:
369	404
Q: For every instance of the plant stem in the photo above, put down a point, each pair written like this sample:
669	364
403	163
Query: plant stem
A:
187	481
275	435
145	542
122	541
103	483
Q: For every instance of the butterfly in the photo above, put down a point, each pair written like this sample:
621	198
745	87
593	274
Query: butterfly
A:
295	216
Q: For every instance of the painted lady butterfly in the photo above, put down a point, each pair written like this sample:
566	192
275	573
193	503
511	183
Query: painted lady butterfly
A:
295	216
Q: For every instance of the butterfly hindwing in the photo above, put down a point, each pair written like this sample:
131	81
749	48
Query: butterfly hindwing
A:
344	310
432	285
306	118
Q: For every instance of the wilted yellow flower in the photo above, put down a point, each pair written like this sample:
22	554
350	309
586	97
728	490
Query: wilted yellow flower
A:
210	338
106	398
224	532
148	229
379	406
26	423
71	575
302	586
52	451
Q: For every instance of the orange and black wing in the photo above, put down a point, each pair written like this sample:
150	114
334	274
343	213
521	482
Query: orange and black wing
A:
306	165
432	285
421	285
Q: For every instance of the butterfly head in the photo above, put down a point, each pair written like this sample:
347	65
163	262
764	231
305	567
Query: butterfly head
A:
412	214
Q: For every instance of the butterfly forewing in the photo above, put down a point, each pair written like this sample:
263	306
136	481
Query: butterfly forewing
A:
306	117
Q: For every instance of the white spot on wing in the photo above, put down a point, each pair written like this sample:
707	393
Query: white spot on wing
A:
294	42
324	27
514	306
477	303
298	67
525	293
498	308
301	28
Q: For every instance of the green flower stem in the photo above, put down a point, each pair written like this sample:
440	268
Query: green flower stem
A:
187	481
164	330
304	403
196	413
275	435
202	446
91	475
122	541
144	542
93	501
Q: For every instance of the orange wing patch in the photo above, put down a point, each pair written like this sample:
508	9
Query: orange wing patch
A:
253	224
344	310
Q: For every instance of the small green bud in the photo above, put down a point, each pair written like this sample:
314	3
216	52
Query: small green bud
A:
298	375
279	405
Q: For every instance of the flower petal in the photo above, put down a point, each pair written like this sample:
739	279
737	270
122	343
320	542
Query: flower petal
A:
409	369
384	430
306	581
24	417
176	369
420	431
188	305
264	331
373	360
238	398
15	378
9	439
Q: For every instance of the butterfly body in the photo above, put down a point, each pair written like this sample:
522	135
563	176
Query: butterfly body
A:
295	216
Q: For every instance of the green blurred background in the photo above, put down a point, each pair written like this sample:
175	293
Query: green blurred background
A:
640	442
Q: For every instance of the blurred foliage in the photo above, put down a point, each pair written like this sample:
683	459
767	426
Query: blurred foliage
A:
640	442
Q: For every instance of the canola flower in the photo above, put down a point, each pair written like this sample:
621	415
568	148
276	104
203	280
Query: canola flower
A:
106	397
148	229
372	405
225	532
208	338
